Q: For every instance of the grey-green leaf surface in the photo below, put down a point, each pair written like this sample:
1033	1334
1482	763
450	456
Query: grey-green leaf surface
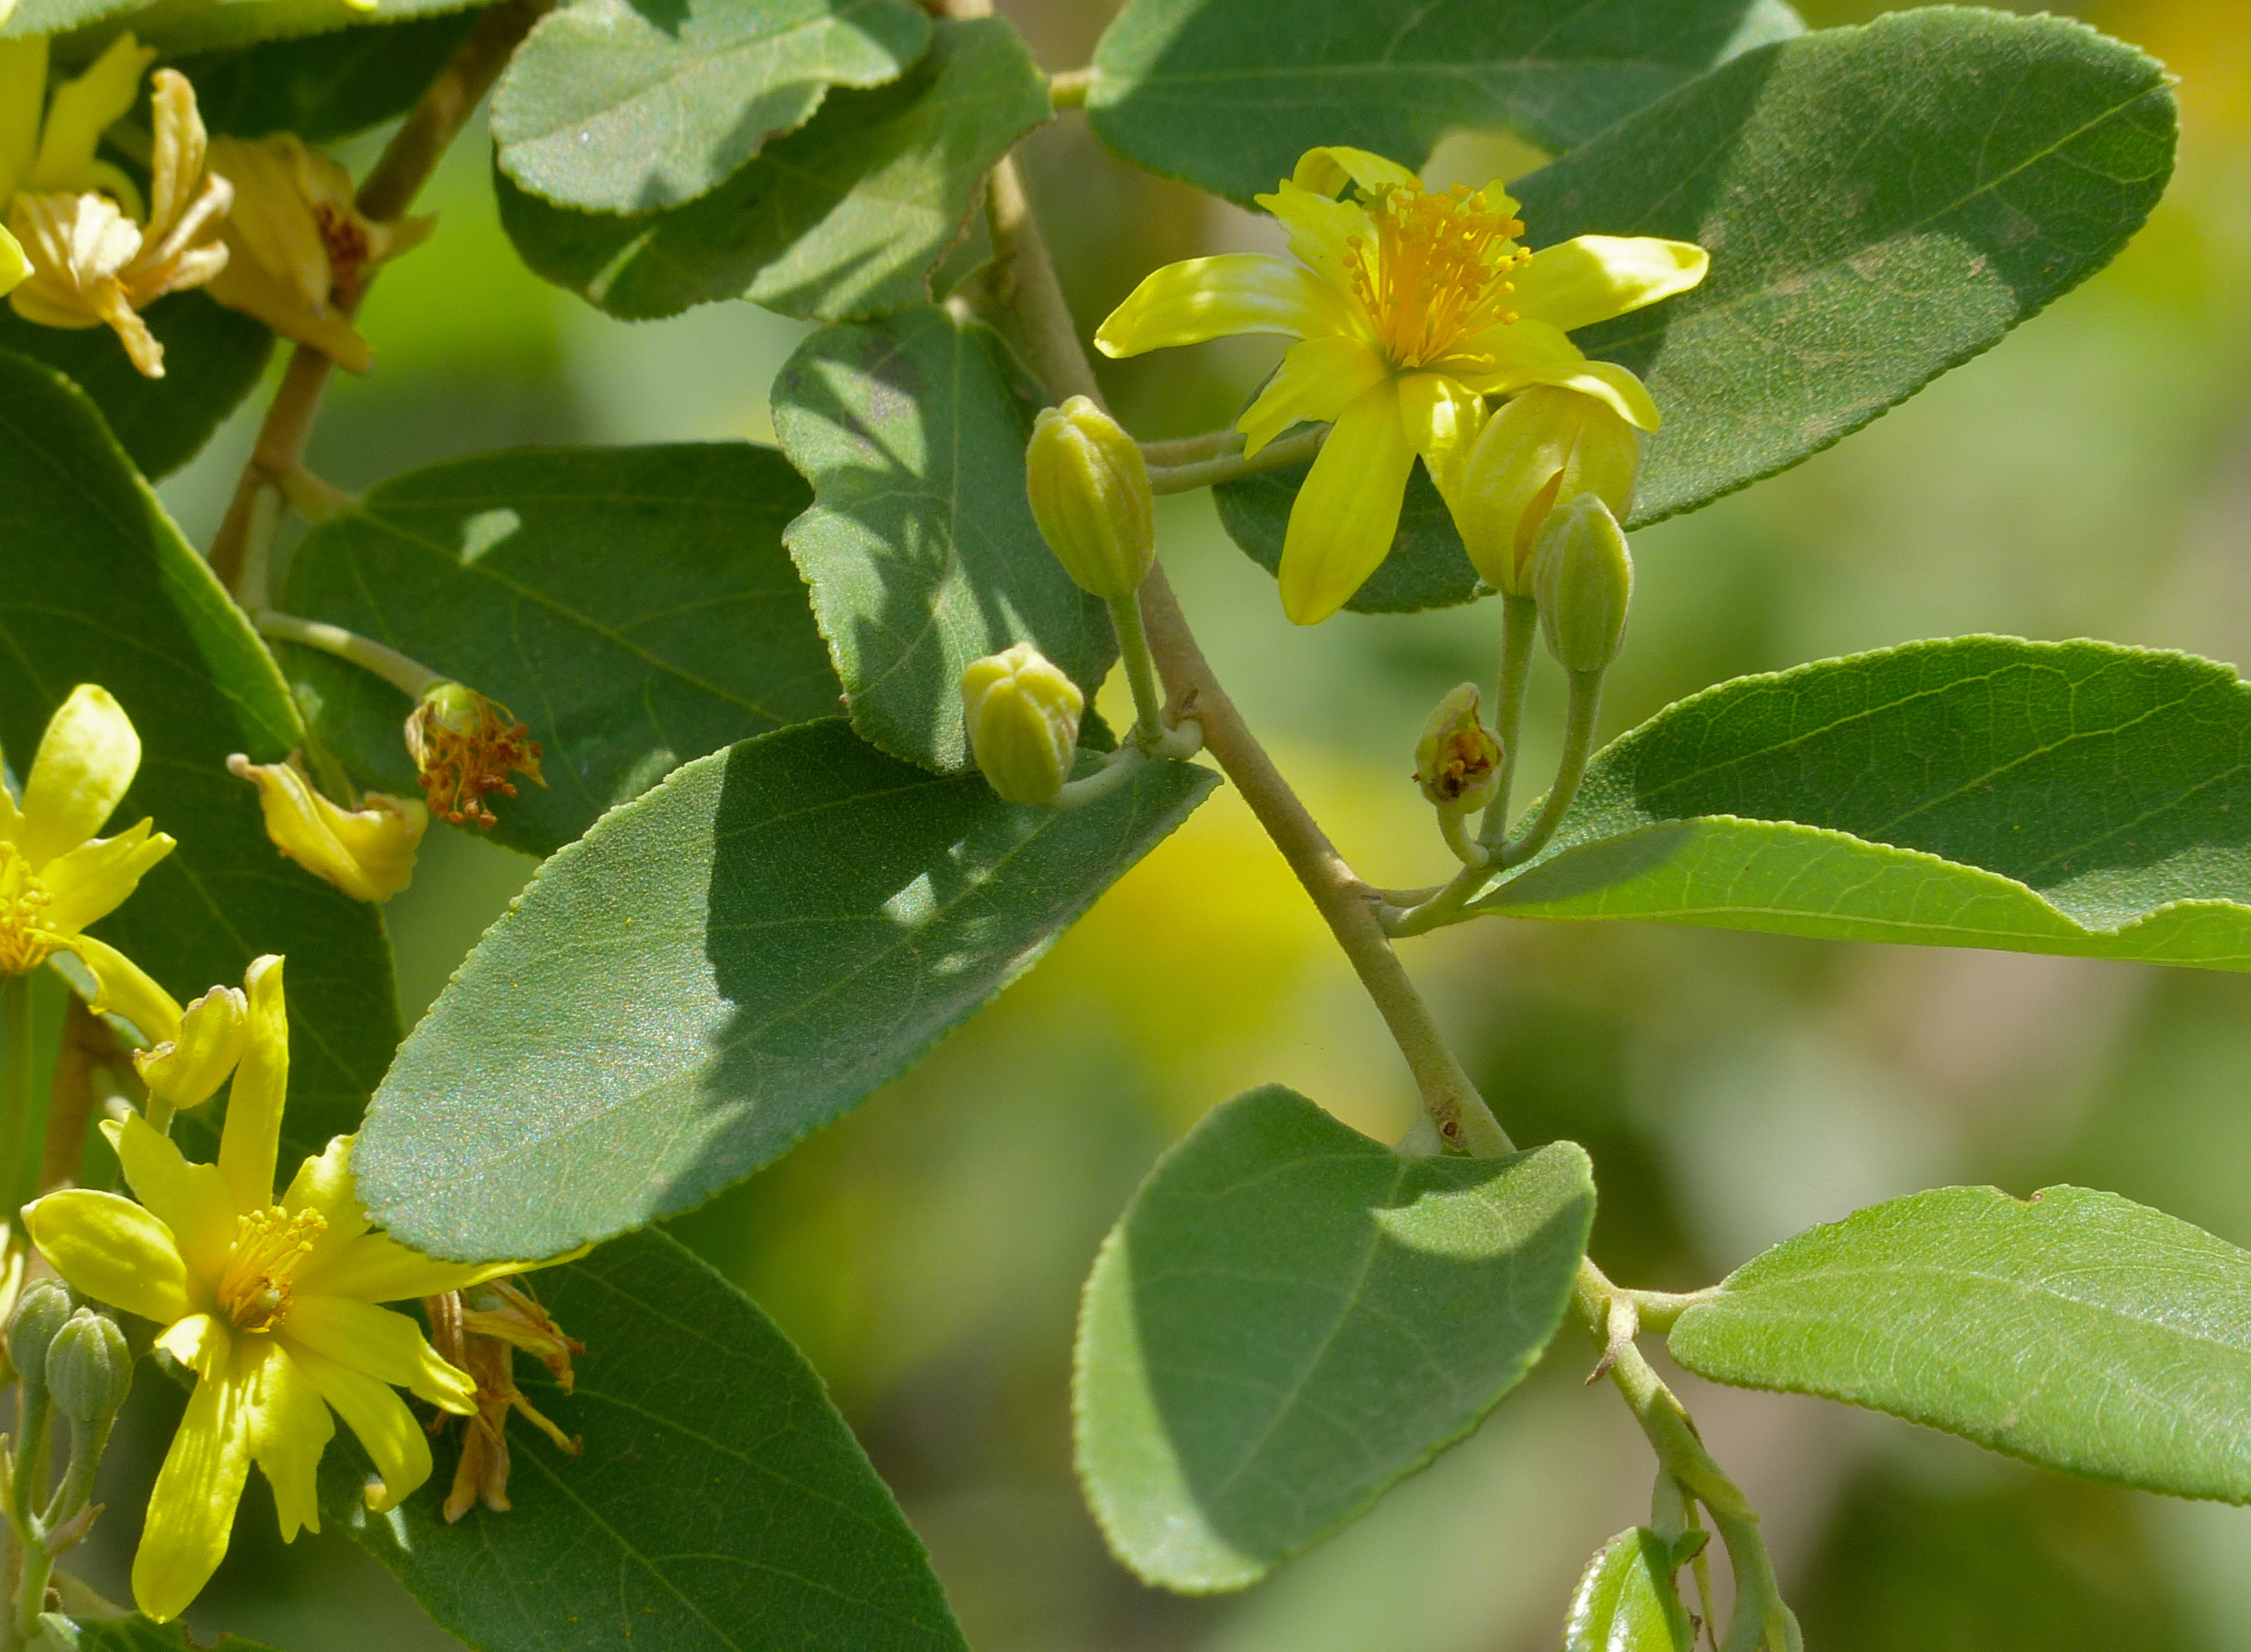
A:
324	86
1625	1601
137	1634
844	218
2076	798
632	605
1228	93
213	357
1881	204
2076	1330
1290	1318
920	547
179	27
717	969
720	1504
102	589
615	105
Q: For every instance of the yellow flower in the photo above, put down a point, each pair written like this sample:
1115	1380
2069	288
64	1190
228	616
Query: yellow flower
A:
368	852
56	877
1409	308
95	257
299	250
1541	450
270	1305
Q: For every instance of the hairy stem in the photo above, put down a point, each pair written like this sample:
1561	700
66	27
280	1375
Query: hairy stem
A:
1140	673
1187	449
1224	467
1519	619
406	165
1051	341
411	677
1068	90
1578	745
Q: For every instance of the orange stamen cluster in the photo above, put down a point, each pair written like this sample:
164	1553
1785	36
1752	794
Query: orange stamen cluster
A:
255	1291
23	942
465	747
1436	273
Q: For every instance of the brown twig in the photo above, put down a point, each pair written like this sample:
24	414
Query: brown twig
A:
389	189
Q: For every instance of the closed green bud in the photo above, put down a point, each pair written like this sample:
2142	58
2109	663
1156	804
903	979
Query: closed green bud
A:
89	1368
185	1070
1089	492
1023	715
1457	760
43	1309
1537	453
1583	576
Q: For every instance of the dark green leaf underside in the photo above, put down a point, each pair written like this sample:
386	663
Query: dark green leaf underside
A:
713	971
1290	1318
324	86
2077	1329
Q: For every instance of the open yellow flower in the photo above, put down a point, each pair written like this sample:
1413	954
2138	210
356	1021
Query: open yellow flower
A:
270	1305
56	877
1409	308
97	256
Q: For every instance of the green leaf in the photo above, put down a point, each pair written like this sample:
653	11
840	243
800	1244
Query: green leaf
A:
137	1634
720	1504
2075	1329
176	28
846	217
920	546
213	357
1290	1318
634	606
32	18
614	105
1227	93
2075	797
717	969
101	589
1873	222
324	86
1625	1601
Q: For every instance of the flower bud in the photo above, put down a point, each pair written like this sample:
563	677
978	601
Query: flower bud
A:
1584	575
368	852
1089	492
89	1368
188	1068
465	747
1539	452
44	1308
1023	715
1457	760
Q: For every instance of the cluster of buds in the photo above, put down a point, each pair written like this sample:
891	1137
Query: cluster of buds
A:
465	747
1022	716
367	851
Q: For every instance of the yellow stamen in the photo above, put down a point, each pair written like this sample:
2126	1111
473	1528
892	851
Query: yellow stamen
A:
24	943
1436	273
253	1292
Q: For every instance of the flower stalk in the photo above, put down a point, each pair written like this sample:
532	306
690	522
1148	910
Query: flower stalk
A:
1227	462
411	677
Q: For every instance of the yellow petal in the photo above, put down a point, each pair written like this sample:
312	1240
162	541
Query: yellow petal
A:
201	1342
1202	298
193	1201
377	1268
251	1141
192	1510
81	110
385	1427
246	286
1319	378
14	267
23	95
324	1183
114	1251
368	852
86	760
387	1346
289	1427
188	1070
1347	512
86	884
1591	278
1443	420
1327	171
127	990
1322	231
1606	382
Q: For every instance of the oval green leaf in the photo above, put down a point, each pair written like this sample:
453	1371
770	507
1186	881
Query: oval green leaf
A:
611	106
1291	1318
920	546
717	969
720	1504
177	27
324	86
1625	1601
844	218
1227	93
2075	797
2075	1329
1881	204
634	606
102	589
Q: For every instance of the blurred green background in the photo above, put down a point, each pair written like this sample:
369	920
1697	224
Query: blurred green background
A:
2090	477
